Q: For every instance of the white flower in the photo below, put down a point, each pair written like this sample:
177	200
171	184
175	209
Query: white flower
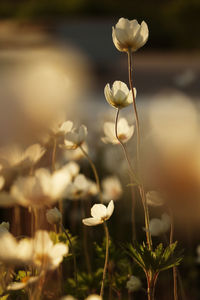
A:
100	213
69	297
112	188
119	95
76	154
14	286
159	226
2	182
47	256
78	188
41	189
4	227
53	216
62	128
13	252
75	138
129	35
154	198
94	297
134	284
124	132
73	168
15	156
7	200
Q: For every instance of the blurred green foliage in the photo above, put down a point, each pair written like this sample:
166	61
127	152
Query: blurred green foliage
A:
172	23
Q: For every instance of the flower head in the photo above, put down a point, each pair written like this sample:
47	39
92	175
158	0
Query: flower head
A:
129	35
112	188
124	132
100	213
75	138
94	297
159	226
4	227
53	216
119	95
62	129
154	198
134	284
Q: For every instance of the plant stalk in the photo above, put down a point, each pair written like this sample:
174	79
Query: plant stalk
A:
106	259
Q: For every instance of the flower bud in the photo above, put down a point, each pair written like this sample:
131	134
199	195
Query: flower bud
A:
53	216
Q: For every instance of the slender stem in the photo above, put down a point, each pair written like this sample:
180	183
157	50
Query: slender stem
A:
73	254
134	104
95	173
174	268
106	259
131	173
141	187
54	154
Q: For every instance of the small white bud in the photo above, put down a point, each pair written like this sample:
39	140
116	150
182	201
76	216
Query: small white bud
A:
53	215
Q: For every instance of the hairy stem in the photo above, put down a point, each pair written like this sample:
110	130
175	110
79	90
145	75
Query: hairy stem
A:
106	259
95	173
141	187
174	268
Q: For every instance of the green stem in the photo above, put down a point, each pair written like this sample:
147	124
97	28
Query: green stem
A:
106	259
95	173
131	173
141	187
73	254
174	268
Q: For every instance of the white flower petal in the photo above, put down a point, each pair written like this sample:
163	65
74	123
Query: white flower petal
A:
110	209
92	221
99	211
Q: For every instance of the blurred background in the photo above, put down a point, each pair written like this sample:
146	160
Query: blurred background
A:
56	57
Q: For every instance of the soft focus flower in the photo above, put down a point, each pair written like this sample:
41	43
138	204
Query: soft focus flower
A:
2	182
15	156
94	297
112	188
53	216
129	35
41	189
78	188
154	198
134	284
75	138
76	154
73	168
14	286
100	213
69	297
62	128
4	227
119	95
124	132
47	255
13	252
7	200
159	226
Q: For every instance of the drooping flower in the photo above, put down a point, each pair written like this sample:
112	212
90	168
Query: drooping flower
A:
75	138
159	226
119	95
53	216
47	256
112	188
41	189
129	35
4	227
133	284
154	198
124	132
100	213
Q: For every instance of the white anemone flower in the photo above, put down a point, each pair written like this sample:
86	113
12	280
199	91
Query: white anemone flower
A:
112	188
13	252
129	35
2	182
69	297
76	154
133	284
159	226
53	216
75	138
124	132
62	129
100	213
94	297
27	281
78	188
47	256
154	198
41	189
15	156
119	95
